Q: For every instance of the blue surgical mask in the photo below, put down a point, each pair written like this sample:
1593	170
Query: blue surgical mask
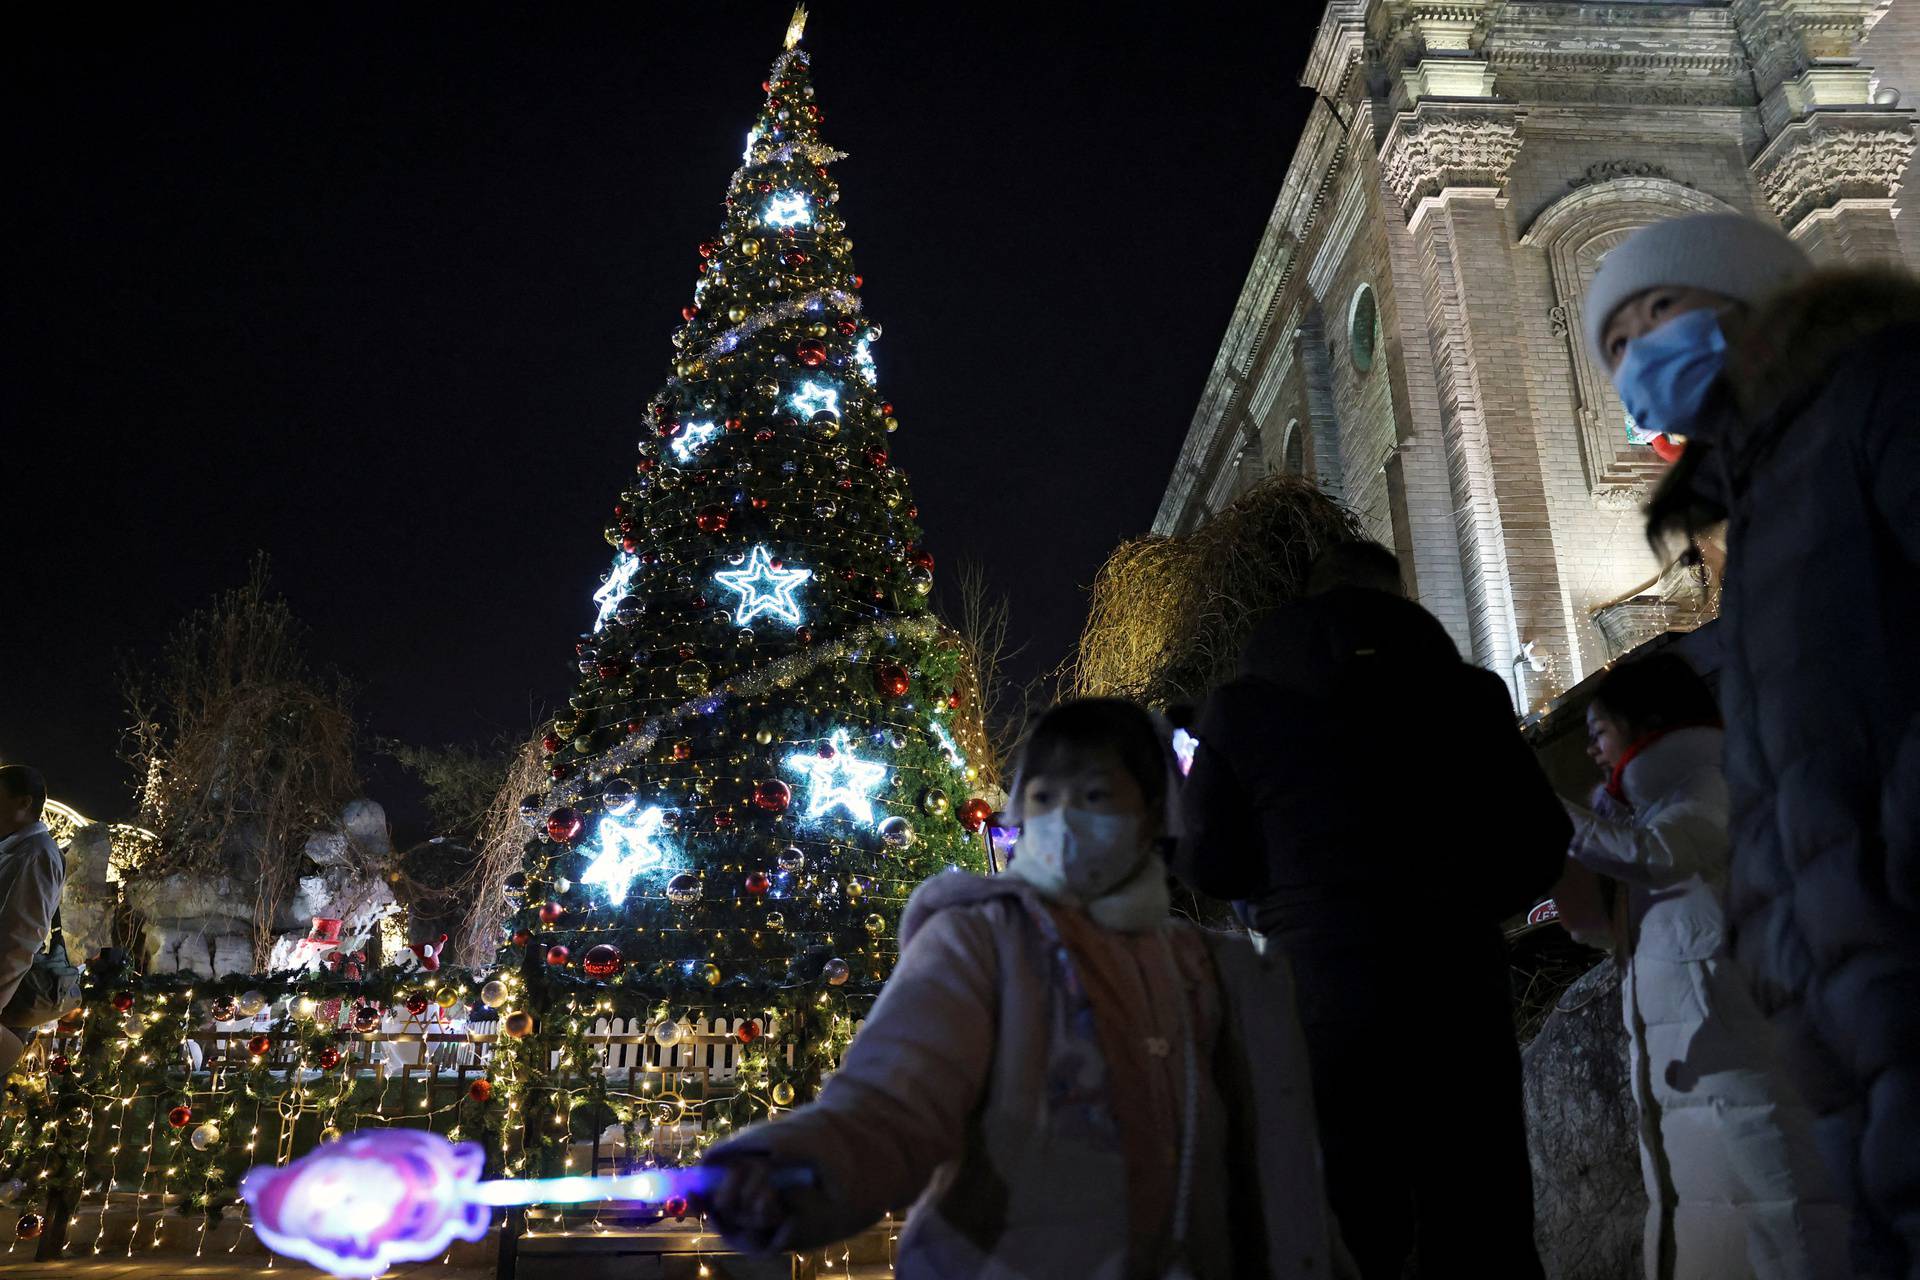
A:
1664	376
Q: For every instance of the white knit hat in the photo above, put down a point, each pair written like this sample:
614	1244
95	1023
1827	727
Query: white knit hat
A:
1723	252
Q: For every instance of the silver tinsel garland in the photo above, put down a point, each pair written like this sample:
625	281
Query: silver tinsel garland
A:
776	675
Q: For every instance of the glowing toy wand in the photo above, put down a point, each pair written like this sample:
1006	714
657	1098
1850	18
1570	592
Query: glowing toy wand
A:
358	1206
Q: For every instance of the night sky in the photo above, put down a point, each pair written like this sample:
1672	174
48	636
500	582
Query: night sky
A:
383	290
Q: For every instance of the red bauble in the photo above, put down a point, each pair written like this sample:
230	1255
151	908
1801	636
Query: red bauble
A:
123	1000
975	813
180	1117
804	635
877	458
612	669
30	1226
550	912
551	743
772	795
954	700
58	1064
811	352
922	557
858	281
565	825
259	1046
629	545
849	327
736	424
683	750
329	1058
758	883
675	1207
688	313
748	1031
521	937
480	1090
713	519
558	955
757	503
603	961
417	1004
892	680
709	247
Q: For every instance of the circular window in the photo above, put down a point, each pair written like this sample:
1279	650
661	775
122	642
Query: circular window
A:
1363	329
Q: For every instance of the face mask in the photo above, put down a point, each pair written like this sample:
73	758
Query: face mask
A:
1079	852
1663	378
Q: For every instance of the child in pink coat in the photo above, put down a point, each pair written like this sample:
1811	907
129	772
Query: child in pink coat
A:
1060	1080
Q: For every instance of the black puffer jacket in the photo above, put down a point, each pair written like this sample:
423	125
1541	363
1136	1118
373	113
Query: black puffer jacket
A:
1813	454
1327	795
1324	775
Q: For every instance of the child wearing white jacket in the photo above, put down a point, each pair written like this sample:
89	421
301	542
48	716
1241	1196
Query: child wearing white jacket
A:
1734	1183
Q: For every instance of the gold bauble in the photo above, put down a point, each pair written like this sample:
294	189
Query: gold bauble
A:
710	974
750	247
736	314
893	424
818	329
447	997
782	1094
518	1024
763	735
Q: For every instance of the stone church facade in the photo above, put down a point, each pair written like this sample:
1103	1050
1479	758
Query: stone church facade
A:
1409	334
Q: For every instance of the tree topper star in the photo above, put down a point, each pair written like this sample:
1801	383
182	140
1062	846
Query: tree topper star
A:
764	589
624	847
839	781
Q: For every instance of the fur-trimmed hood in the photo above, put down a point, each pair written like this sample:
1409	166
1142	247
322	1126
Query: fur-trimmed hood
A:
1782	354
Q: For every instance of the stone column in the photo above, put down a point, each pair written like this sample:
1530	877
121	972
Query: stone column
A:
1837	145
1446	164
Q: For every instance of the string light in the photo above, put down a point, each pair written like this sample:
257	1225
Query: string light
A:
622	848
787	209
815	397
839	780
618	585
764	589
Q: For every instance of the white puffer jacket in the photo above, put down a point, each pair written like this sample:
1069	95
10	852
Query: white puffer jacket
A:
1734	1184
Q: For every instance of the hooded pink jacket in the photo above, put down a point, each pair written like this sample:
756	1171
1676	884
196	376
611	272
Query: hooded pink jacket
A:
959	1097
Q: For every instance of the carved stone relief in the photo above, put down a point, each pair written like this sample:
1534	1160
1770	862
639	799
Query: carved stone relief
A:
1823	159
1429	150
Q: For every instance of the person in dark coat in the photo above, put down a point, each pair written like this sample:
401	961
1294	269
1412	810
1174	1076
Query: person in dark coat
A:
1798	396
1383	872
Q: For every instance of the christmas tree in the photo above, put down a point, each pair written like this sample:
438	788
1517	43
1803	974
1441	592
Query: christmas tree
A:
760	760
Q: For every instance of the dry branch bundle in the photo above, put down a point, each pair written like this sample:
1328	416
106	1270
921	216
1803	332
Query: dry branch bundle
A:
1169	614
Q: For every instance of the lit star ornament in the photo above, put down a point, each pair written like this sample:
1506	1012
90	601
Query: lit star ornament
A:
619	583
764	589
813	397
839	781
623	847
788	209
694	437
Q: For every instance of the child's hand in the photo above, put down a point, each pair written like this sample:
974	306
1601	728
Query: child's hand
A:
750	1202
